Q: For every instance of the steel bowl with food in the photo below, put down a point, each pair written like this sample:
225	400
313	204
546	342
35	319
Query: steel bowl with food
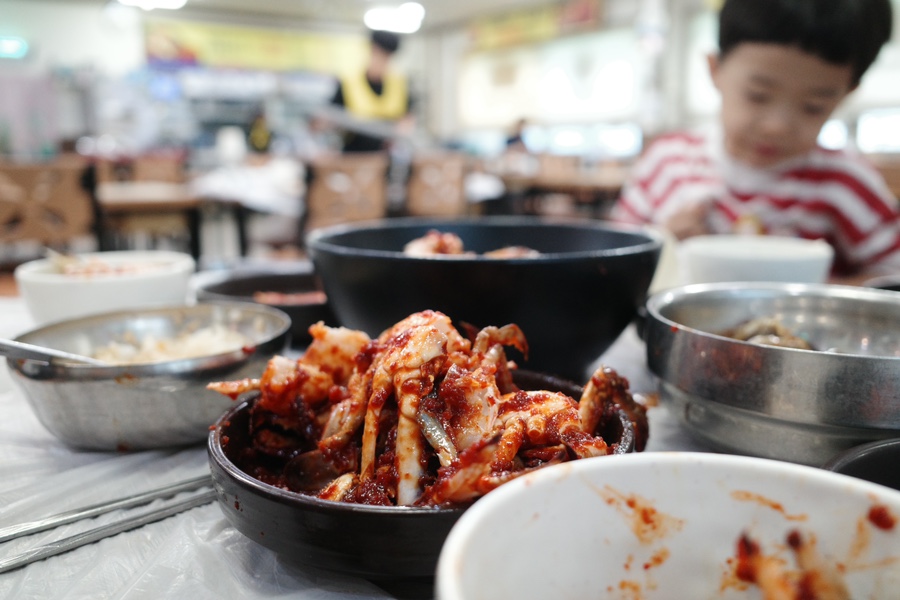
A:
572	296
796	372
63	287
299	294
153	394
376	542
676	525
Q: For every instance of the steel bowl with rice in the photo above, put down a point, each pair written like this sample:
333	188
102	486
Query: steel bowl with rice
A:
153	394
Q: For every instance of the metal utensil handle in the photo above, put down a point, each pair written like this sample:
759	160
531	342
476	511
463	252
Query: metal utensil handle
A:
94	535
14	349
31	527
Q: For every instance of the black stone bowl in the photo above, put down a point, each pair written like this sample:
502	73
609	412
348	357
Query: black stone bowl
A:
243	286
388	545
572	302
878	462
884	282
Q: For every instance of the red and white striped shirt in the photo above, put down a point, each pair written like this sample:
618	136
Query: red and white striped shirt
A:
825	194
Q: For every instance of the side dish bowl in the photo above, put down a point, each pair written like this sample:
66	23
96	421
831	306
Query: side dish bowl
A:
667	525
98	282
299	295
572	301
148	405
375	542
798	405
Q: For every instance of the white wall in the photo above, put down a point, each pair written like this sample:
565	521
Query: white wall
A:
456	85
72	35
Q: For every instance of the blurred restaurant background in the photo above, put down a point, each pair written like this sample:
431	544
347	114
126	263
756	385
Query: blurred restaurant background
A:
123	126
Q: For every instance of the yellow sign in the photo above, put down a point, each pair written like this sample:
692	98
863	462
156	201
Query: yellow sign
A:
536	24
179	43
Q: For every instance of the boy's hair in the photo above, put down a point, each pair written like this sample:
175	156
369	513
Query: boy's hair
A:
842	32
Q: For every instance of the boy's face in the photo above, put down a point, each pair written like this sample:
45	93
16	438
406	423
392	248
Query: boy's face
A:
775	99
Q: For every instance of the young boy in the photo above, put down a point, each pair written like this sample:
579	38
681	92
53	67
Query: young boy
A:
783	67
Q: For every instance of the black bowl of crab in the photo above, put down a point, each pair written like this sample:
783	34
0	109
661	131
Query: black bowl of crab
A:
324	479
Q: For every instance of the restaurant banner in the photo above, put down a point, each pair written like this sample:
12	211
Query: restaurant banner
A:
536	24
180	44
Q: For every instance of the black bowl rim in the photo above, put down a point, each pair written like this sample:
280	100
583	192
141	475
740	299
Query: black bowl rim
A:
183	367
320	239
217	456
209	292
852	455
666	298
883	282
282	496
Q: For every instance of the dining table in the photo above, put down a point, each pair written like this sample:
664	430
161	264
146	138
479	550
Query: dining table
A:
197	553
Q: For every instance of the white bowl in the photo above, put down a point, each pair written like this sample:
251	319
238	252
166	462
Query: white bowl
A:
135	279
720	258
663	525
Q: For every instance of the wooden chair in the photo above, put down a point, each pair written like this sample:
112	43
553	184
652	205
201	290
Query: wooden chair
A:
437	186
889	167
45	203
553	166
123	229
346	188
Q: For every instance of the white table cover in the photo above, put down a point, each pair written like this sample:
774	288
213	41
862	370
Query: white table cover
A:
196	554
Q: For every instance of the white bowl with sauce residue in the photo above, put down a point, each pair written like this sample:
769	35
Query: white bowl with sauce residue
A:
67	287
669	525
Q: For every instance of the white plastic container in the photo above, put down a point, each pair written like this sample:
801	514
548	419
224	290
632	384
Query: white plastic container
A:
721	258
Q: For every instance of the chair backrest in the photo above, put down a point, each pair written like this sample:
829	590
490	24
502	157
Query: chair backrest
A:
889	167
168	167
437	186
345	188
44	202
555	165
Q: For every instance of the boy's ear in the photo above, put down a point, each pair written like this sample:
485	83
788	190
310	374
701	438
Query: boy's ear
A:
714	61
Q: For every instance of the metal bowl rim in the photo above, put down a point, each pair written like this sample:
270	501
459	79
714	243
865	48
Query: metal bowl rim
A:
665	298
185	366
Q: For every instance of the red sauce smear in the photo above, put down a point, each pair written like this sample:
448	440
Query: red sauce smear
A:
881	517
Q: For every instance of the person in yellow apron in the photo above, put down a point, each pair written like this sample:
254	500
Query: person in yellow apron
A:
377	99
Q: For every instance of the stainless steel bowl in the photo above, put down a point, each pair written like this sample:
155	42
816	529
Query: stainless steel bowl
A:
152	405
797	405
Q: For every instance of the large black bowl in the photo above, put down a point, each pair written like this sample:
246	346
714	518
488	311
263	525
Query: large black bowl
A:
572	302
380	543
878	462
243	286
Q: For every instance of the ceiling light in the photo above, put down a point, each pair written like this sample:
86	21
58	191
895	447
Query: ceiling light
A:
406	18
12	47
151	4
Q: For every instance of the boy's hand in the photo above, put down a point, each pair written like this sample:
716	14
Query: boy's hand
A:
689	221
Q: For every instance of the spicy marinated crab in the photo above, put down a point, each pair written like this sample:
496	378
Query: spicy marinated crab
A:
443	243
421	415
